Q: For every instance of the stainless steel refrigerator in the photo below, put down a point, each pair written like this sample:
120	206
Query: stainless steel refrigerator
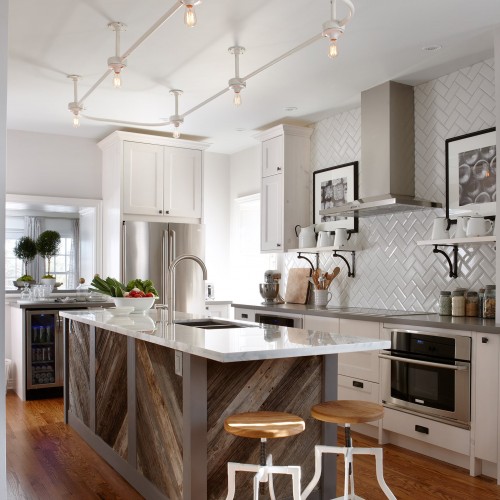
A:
146	256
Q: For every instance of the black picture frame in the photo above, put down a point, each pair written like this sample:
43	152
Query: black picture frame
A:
335	186
471	174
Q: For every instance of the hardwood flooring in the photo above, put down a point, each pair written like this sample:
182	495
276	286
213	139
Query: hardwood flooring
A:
47	460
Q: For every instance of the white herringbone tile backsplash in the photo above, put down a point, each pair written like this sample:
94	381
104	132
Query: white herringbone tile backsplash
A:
391	270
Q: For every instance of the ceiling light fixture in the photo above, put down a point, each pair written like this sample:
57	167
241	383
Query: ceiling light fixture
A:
237	84
176	119
74	106
334	28
117	62
189	13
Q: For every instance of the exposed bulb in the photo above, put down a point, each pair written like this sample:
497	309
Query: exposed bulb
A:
76	121
237	99
117	81
190	16
332	49
177	133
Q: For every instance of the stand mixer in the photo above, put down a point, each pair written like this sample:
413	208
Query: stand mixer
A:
269	290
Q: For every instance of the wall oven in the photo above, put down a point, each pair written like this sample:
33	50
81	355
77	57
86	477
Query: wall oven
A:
428	374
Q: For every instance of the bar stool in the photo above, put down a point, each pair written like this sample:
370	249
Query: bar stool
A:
263	425
347	413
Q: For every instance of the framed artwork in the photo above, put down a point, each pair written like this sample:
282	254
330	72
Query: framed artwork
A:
334	187
471	173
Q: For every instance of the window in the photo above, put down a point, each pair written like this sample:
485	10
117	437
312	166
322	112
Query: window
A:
64	266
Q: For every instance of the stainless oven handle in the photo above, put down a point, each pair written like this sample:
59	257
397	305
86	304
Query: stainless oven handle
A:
424	363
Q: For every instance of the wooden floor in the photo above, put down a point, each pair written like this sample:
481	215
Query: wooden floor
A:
47	460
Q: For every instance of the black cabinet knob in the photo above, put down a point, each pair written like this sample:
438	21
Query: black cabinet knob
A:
160	211
485	340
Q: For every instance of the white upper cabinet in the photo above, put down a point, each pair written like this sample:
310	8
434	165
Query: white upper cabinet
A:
285	188
272	156
161	180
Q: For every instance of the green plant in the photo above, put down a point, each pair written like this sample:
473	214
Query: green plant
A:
47	245
25	250
109	286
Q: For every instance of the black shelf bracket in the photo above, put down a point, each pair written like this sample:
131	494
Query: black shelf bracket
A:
301	256
350	273
452	265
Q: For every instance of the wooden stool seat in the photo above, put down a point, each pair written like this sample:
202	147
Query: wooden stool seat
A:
264	424
347	412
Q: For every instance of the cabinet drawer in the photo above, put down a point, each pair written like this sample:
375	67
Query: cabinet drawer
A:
429	431
365	364
244	314
355	388
321	324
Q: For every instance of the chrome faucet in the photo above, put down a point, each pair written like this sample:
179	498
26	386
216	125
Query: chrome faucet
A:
171	282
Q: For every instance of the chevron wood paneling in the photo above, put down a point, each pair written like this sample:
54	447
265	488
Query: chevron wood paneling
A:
79	377
291	385
111	390
392	271
159	418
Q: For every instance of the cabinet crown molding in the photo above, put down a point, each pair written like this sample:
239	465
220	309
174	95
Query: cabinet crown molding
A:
284	129
159	140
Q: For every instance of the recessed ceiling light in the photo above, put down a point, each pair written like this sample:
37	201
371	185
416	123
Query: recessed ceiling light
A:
432	48
291	108
240	130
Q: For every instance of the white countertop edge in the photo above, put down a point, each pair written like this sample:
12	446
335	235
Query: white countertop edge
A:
346	345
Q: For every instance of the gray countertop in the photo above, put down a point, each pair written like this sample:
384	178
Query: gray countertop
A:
386	316
248	343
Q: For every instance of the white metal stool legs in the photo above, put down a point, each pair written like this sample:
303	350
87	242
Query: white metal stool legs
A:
263	473
348	453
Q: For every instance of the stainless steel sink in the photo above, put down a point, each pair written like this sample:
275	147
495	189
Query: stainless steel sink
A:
210	324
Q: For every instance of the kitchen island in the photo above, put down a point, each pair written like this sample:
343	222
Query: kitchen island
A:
151	398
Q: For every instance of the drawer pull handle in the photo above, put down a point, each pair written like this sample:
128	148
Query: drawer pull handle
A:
358	384
422	429
244	315
484	340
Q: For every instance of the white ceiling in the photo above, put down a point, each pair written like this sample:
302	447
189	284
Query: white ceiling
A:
49	40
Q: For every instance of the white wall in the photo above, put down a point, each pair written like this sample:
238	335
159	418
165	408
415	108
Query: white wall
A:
245	172
52	165
3	132
216	212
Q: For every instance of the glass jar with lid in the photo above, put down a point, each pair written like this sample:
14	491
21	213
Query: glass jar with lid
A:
489	305
445	303
457	303
471	304
481	302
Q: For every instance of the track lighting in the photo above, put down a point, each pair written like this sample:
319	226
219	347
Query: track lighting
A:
237	84
176	119
334	28
75	107
189	13
116	62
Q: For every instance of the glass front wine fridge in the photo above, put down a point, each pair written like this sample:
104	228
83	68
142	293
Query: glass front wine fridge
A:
44	354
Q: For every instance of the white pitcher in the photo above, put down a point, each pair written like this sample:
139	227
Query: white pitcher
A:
340	238
461	231
306	235
439	229
325	239
479	226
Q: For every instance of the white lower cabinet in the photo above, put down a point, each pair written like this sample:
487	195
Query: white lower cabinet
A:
485	418
355	388
244	314
321	324
218	310
426	430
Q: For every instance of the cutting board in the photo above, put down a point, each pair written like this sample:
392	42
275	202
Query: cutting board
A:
297	285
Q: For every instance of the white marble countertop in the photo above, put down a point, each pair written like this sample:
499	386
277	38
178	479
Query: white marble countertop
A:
254	342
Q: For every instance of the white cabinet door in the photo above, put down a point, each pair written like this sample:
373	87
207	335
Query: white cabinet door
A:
142	179
364	364
486	396
182	182
273	156
272	213
321	324
217	310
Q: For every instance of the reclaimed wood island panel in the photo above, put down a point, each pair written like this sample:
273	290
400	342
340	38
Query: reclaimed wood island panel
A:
153	402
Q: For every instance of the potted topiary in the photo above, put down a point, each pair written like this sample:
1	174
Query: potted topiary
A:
25	250
47	245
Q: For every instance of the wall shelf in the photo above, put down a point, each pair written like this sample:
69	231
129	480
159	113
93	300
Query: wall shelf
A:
455	243
351	271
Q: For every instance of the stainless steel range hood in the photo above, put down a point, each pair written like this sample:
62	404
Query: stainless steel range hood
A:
387	173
